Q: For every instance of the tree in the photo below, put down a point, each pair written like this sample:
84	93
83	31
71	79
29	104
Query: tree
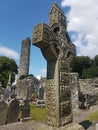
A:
96	60
80	63
90	72
7	66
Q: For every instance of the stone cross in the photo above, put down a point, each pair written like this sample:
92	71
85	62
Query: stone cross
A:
58	50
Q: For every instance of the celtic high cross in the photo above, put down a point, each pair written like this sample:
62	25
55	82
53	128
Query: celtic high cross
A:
58	50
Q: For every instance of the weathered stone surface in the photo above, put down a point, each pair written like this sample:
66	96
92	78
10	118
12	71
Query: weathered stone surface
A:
13	111
75	90
3	112
25	87
41	93
58	50
26	109
89	92
38	126
24	58
89	86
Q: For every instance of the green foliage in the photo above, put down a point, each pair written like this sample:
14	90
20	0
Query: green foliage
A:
7	66
96	60
93	116
37	114
25	76
85	66
90	73
80	63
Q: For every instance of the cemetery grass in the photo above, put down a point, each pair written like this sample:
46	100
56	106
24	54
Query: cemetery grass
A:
37	114
93	116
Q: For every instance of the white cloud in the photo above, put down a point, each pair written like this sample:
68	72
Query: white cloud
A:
83	19
43	71
38	77
9	52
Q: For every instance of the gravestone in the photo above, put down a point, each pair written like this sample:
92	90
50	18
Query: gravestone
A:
58	50
26	109
13	111
3	112
41	93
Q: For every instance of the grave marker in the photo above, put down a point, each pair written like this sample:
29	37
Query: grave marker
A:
13	111
3	112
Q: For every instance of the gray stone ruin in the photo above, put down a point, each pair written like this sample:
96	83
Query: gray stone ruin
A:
24	88
24	85
13	110
58	50
3	112
24	57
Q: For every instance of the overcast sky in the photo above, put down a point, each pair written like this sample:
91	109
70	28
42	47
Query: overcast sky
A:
18	18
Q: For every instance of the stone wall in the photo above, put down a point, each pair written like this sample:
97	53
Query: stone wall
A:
83	91
89	86
89	90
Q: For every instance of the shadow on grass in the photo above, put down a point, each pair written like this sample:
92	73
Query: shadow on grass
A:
86	124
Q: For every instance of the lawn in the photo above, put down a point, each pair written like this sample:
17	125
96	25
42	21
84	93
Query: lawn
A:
93	116
37	114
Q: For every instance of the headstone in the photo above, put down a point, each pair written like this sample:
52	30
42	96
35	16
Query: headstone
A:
13	111
3	112
58	50
26	109
41	93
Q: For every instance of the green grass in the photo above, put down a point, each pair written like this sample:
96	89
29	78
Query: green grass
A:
93	116
37	114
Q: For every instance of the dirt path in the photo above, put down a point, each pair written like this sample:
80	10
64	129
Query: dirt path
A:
80	116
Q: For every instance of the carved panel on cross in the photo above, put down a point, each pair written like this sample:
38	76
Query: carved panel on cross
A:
46	33
64	78
51	102
38	32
